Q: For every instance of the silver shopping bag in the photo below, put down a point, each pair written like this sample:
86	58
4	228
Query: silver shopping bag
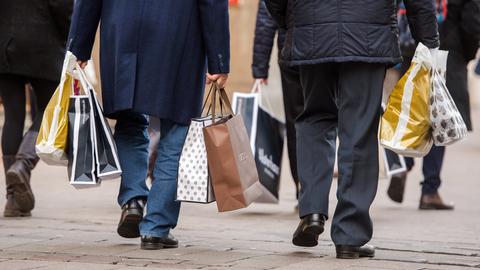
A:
194	182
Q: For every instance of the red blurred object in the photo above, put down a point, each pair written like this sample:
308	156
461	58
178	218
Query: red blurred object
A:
76	88
233	2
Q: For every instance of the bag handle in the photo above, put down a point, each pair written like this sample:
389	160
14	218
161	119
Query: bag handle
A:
223	100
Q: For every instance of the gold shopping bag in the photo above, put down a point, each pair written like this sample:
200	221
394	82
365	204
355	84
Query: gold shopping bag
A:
405	125
52	140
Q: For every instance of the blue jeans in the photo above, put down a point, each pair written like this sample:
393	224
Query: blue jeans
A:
132	141
432	166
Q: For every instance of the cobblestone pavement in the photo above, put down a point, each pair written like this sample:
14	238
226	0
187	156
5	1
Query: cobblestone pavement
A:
75	229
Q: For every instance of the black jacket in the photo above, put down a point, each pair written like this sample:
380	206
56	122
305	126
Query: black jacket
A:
349	30
265	31
33	35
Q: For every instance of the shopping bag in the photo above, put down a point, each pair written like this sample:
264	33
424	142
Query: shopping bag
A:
394	163
266	135
447	123
230	159
405	125
81	156
51	144
194	182
106	156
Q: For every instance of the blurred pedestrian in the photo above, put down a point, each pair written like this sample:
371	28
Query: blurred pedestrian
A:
154	56
459	34
265	31
342	50
33	36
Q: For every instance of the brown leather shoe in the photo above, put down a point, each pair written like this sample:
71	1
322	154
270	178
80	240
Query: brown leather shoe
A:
434	202
396	189
11	209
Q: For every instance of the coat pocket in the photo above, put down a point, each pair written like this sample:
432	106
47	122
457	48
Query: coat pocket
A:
5	47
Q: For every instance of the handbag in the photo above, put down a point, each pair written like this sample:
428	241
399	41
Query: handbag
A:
230	158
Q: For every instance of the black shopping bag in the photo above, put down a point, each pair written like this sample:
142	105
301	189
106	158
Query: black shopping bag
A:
107	160
266	137
81	156
394	163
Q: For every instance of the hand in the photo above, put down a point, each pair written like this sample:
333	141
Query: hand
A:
220	79
82	64
263	81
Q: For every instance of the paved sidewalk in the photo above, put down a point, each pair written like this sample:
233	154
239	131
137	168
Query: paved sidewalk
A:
75	229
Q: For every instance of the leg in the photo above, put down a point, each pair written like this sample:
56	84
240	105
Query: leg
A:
360	95
432	167
12	90
132	145
293	103
316	138
162	209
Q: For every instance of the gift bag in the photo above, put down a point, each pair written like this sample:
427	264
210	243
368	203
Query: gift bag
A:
266	135
81	155
194	182
106	156
447	123
230	158
51	145
405	125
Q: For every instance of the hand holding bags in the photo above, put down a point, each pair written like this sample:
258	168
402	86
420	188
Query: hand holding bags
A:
51	145
405	125
230	159
92	153
420	110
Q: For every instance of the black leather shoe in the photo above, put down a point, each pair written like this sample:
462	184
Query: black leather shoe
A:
310	227
355	252
132	215
154	243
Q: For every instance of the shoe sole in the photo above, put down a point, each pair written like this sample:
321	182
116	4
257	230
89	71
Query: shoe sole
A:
129	227
349	255
308	237
150	246
13	213
22	192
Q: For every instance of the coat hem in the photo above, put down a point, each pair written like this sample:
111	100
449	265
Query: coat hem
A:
364	59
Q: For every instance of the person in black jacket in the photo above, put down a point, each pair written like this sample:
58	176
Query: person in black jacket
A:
265	31
342	49
33	37
460	35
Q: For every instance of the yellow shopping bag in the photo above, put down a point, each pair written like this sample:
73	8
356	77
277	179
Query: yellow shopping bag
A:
405	125
52	140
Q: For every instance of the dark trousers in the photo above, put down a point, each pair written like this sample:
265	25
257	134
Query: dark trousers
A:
293	103
432	166
340	99
12	90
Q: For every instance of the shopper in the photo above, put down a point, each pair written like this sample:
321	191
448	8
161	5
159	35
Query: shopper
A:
153	57
342	49
265	31
33	36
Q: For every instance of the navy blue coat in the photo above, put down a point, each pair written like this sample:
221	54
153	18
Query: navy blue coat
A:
320	31
153	54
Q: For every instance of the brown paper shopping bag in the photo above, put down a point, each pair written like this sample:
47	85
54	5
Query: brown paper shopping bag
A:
230	159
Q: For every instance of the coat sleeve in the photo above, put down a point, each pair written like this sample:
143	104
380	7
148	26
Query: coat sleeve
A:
85	20
278	10
216	34
265	30
423	21
61	11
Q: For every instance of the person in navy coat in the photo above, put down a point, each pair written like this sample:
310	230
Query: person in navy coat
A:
155	57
